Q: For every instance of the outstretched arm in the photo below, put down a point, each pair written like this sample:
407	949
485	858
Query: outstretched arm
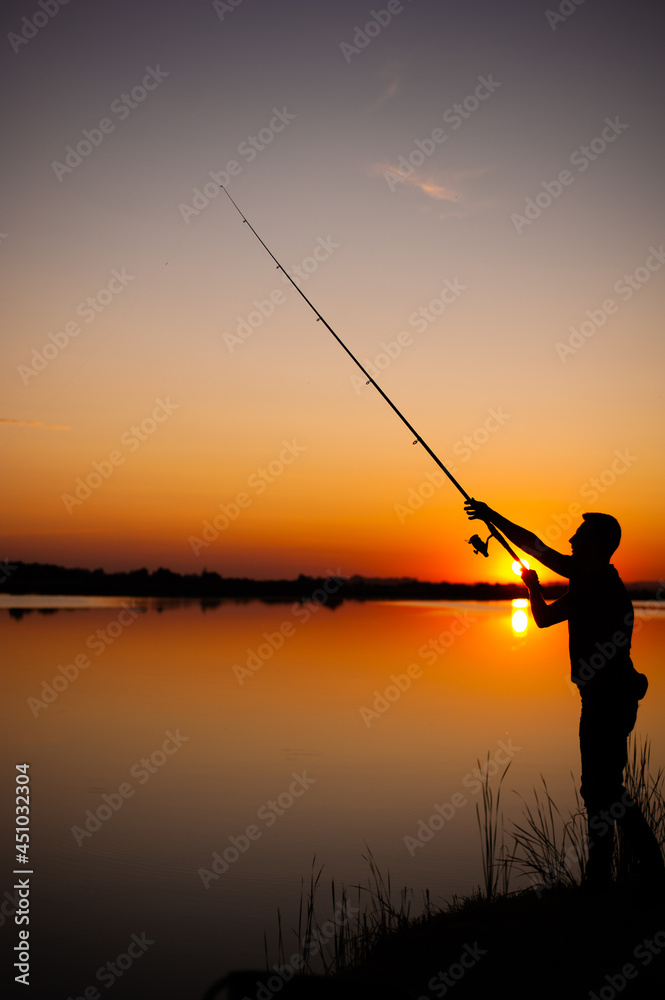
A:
526	540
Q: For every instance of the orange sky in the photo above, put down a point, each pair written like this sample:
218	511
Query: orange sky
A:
155	361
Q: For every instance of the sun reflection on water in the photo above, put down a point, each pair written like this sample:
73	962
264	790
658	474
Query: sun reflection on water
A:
519	619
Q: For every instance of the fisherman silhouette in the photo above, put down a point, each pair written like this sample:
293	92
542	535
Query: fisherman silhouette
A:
600	624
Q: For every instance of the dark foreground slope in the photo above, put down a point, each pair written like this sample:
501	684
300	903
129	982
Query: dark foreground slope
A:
563	945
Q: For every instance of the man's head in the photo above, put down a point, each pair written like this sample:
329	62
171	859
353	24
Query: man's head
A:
597	537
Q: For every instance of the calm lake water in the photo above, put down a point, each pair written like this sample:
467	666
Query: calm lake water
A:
293	730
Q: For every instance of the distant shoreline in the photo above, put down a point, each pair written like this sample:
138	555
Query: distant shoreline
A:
49	580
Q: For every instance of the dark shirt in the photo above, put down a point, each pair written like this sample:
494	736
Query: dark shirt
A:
600	627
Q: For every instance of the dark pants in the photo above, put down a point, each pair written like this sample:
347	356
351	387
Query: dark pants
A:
605	723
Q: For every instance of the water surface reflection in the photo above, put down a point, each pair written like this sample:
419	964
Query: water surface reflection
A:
321	733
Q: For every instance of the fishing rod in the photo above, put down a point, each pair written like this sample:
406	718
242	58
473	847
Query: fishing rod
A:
478	544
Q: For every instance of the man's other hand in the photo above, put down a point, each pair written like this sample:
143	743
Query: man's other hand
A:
530	578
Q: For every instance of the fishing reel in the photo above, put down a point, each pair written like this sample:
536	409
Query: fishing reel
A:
479	545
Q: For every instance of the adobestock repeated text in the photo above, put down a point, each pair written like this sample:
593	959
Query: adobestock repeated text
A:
581	158
268	813
420	319
430	652
88	309
454	116
473	780
258	482
248	149
377	22
464	448
590	491
625	288
131	439
565	9
32	24
264	308
97	642
122	108
301	611
142	770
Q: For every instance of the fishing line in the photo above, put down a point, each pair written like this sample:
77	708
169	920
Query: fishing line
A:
478	544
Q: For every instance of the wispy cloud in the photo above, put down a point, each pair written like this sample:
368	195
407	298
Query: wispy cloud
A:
456	188
391	75
33	423
428	184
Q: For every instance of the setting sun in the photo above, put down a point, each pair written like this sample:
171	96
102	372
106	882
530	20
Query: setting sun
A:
517	566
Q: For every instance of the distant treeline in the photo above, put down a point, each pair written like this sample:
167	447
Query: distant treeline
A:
39	578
